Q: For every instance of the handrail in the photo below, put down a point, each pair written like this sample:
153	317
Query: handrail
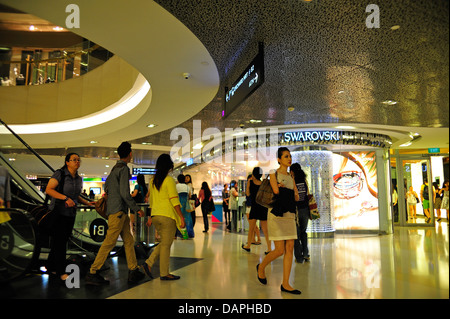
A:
27	146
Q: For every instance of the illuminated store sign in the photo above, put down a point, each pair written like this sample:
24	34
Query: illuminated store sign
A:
314	136
144	171
246	84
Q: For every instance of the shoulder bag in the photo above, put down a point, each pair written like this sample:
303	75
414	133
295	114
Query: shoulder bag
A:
265	196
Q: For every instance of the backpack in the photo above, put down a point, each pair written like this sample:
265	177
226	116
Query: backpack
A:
425	193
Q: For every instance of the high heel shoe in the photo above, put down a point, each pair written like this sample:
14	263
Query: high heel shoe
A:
294	292
261	280
246	249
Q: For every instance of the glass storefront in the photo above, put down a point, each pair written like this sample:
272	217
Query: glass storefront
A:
418	180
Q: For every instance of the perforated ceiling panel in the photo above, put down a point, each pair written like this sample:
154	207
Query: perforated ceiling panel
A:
322	60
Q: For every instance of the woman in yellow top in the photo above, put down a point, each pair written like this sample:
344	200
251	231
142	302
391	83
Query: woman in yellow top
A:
166	215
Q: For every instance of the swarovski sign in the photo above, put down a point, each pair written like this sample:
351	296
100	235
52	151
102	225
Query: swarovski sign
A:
311	136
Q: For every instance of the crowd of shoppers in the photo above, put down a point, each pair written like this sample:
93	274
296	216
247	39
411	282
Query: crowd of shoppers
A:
172	210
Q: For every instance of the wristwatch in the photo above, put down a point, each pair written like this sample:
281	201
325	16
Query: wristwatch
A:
65	199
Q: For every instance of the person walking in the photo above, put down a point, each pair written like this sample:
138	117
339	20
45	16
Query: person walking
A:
225	199
301	251
233	206
412	199
281	221
119	199
64	187
166	216
205	197
257	212
184	195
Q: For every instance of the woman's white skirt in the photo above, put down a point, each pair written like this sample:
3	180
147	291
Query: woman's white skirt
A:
281	228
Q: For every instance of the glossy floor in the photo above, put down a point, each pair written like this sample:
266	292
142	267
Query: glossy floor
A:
411	263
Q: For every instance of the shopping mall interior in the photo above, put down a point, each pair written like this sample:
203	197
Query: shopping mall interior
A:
357	92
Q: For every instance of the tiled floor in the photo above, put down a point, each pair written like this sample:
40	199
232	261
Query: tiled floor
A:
411	263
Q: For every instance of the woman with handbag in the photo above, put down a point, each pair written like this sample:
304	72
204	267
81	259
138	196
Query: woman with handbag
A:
63	206
205	198
281	221
412	200
256	211
301	251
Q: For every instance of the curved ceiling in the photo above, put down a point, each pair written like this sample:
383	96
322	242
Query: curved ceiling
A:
156	44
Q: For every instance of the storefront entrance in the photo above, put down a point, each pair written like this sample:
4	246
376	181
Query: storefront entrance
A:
414	181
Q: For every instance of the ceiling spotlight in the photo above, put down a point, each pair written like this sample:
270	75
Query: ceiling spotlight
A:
186	75
151	125
291	108
32	28
93	142
395	27
389	102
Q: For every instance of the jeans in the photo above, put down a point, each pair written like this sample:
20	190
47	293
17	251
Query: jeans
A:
301	243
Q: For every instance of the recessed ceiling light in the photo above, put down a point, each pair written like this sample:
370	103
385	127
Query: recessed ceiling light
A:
94	142
151	125
255	121
406	144
341	91
146	143
389	102
32	28
395	27
291	108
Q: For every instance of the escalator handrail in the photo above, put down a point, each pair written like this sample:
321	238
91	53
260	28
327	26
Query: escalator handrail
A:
27	146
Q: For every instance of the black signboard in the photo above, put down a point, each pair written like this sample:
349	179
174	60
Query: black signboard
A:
246	84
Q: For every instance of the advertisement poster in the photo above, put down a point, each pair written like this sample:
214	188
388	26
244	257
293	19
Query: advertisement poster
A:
355	191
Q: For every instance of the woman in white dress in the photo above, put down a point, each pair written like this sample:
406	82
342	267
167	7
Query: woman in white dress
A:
412	199
281	221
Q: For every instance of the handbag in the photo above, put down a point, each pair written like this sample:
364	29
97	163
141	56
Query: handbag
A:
265	196
196	200
44	217
313	211
211	206
100	206
189	206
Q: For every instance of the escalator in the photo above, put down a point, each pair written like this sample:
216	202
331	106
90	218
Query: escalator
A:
23	248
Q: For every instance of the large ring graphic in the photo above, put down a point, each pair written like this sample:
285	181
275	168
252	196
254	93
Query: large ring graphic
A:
347	184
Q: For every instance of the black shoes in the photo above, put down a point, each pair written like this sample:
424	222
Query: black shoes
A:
170	277
135	275
95	280
261	280
246	249
294	292
146	269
